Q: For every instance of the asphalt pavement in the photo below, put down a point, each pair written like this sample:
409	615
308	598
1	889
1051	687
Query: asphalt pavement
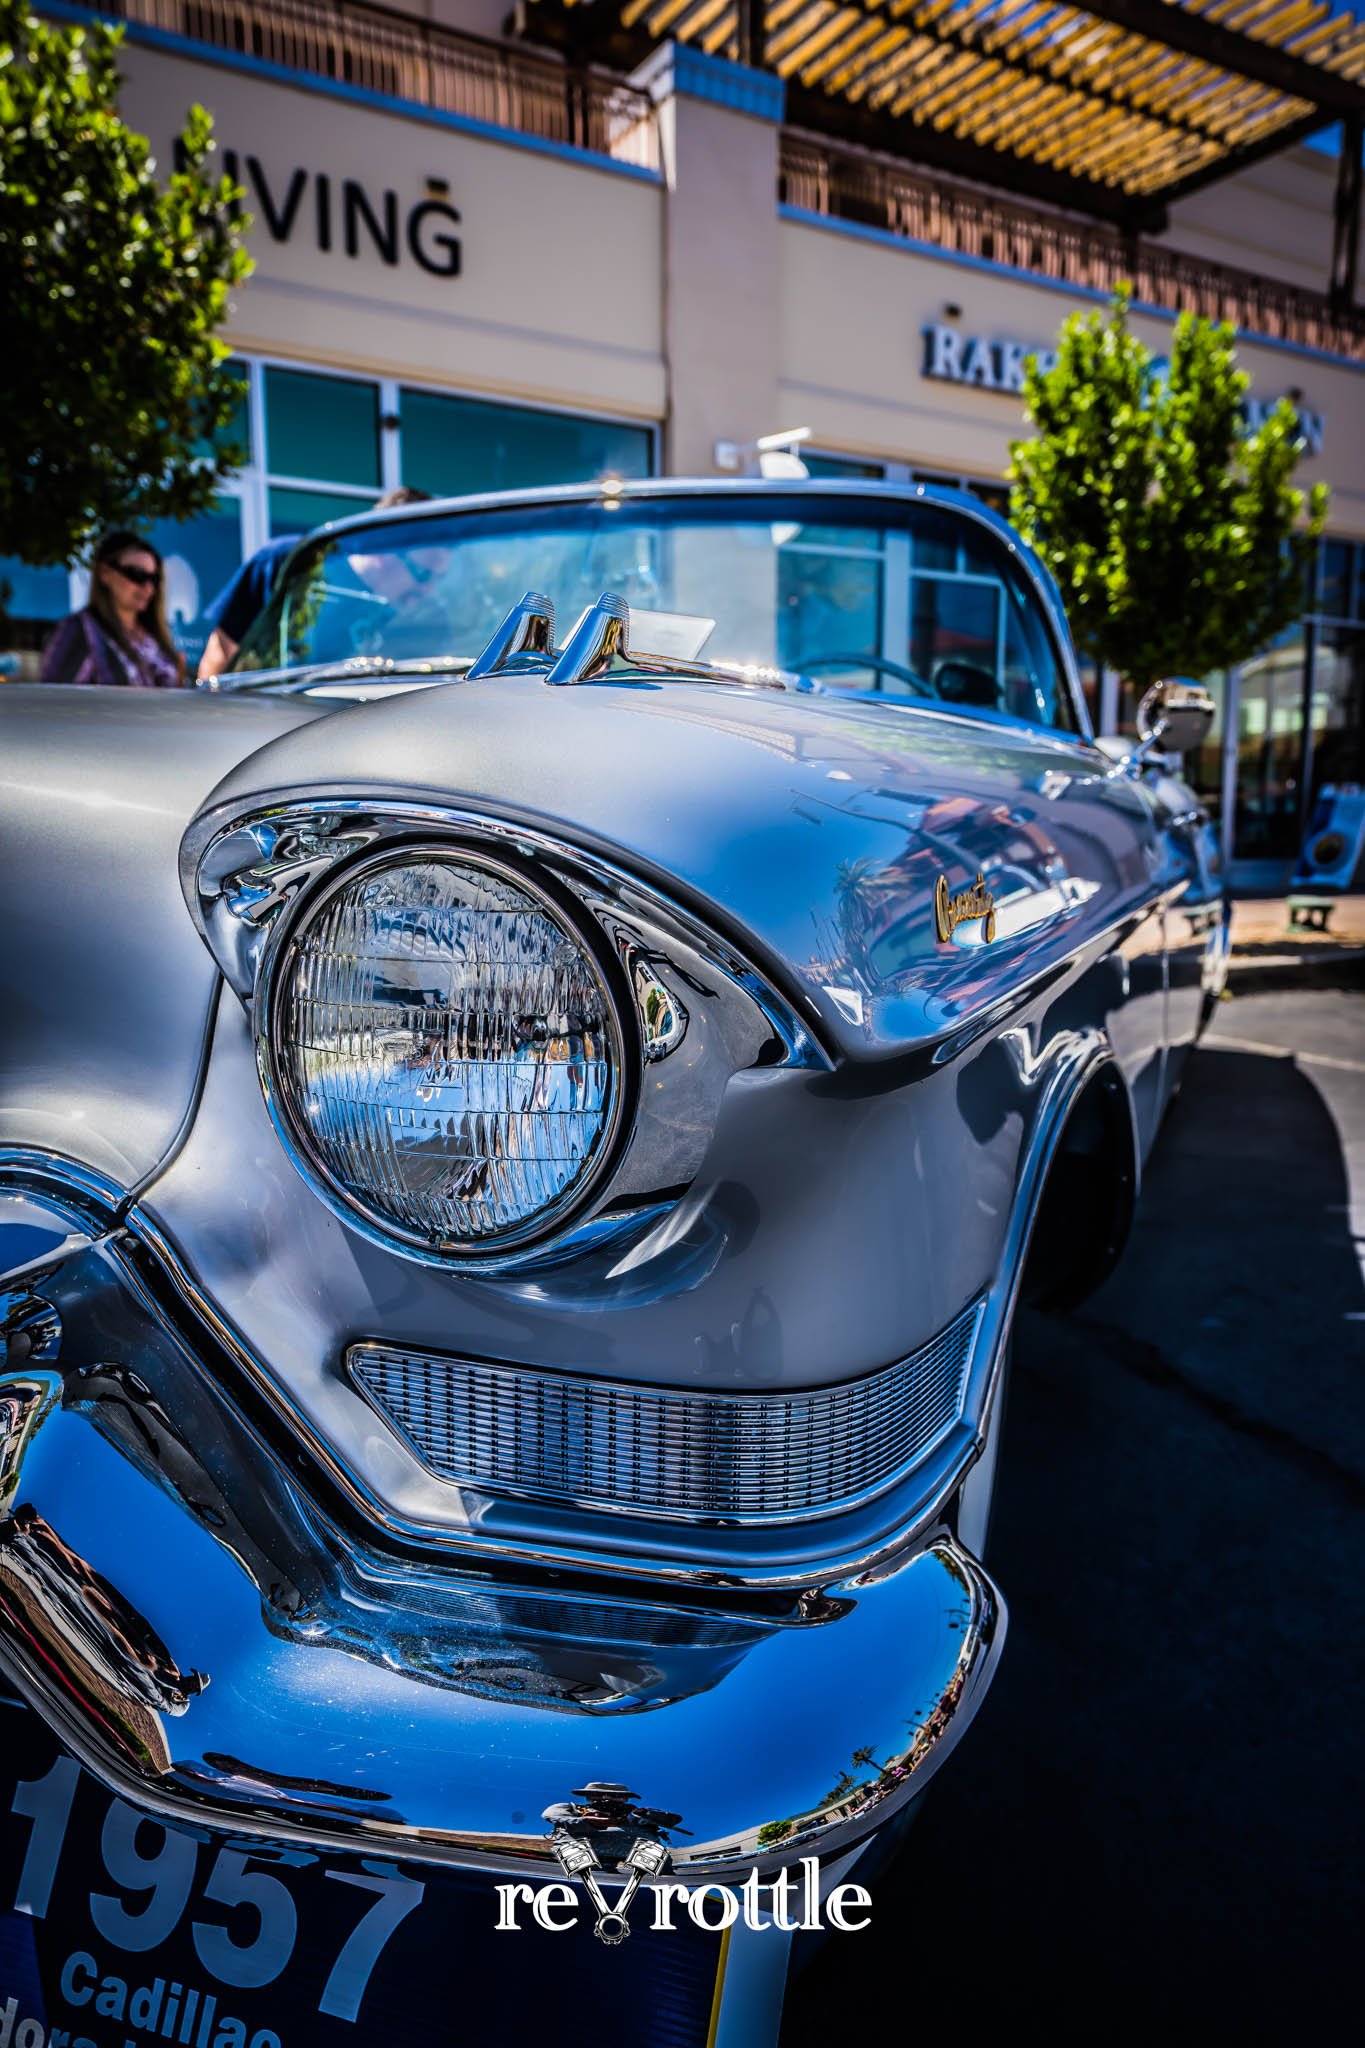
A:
1152	1831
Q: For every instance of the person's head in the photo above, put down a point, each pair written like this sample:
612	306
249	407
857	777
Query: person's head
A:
128	587
401	494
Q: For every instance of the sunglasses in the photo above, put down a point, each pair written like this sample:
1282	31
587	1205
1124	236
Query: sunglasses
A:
147	578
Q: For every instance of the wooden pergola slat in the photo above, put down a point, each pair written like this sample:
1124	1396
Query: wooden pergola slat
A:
1111	106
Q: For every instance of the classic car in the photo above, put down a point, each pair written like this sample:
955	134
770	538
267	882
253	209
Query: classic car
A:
525	1117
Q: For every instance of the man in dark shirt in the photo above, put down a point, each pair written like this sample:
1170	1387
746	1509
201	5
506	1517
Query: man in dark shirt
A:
240	603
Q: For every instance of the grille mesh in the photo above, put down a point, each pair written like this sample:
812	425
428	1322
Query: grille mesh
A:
690	1456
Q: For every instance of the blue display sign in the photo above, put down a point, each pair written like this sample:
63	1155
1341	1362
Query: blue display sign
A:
117	1931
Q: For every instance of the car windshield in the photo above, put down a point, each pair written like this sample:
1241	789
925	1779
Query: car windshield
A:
909	600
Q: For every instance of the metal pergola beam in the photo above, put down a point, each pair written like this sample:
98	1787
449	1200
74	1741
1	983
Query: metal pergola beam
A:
823	113
1346	218
1227	49
751	22
592	30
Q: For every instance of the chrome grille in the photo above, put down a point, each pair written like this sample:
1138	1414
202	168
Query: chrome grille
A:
650	1451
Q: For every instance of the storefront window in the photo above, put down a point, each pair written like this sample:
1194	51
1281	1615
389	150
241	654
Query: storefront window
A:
829	595
236	433
1334	590
200	555
1338	706
297	511
31	600
457	445
322	427
841	466
1270	752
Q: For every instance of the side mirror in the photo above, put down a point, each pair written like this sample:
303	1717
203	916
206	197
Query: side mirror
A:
1175	716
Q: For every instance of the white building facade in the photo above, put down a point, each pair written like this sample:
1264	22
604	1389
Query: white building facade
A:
477	268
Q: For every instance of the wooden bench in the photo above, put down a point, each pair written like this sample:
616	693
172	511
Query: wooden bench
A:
1310	913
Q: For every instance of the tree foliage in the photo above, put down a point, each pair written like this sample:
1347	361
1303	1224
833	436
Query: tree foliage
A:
1175	534
113	284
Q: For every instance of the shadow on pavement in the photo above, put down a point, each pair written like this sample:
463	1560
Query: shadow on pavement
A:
1151	1831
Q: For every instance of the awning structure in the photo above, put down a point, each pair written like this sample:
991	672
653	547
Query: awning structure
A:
1113	109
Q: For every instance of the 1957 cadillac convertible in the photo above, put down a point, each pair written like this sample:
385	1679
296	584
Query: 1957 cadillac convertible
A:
519	1153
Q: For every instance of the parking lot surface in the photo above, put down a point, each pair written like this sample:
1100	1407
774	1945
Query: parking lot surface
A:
1152	1830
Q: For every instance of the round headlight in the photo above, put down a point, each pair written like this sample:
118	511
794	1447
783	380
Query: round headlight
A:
441	1048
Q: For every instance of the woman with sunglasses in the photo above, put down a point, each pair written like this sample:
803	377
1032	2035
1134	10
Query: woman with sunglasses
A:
121	635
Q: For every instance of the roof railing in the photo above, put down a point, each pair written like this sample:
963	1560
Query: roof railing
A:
406	58
851	184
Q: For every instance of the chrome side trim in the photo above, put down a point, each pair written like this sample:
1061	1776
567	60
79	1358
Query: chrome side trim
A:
450	1713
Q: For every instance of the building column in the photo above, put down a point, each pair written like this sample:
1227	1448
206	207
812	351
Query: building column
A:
719	126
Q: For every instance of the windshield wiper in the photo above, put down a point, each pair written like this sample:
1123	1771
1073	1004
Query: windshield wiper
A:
410	670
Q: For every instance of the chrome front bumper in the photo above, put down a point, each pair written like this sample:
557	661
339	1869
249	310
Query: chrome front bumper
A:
225	1648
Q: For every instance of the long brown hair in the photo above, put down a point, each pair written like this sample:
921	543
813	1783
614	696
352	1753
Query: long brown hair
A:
153	616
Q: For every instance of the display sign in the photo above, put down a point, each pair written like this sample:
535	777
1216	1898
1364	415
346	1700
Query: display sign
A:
118	1931
345	215
998	365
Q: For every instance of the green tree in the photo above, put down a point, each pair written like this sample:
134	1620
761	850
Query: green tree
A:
1175	534
114	383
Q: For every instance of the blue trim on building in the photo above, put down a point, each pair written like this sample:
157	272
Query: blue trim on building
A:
804	218
690	73
354	95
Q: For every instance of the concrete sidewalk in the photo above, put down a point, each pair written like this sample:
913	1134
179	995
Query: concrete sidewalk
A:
1268	951
1264	922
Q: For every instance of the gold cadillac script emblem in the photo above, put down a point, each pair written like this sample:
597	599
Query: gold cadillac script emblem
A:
951	911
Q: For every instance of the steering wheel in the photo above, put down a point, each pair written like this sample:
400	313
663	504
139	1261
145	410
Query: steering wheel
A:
878	662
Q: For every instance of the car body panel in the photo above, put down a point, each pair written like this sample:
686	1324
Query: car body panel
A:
107	990
915	940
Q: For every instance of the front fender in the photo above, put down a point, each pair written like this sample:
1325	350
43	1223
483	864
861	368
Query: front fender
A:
217	1646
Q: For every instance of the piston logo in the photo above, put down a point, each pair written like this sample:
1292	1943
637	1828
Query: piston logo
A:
645	1859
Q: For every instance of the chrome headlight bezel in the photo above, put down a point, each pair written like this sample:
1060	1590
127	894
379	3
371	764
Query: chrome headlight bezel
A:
279	1089
697	1010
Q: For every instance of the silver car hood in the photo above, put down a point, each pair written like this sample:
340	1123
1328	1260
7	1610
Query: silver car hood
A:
811	830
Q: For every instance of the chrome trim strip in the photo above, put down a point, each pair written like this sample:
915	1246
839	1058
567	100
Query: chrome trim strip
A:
239	841
92	1195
